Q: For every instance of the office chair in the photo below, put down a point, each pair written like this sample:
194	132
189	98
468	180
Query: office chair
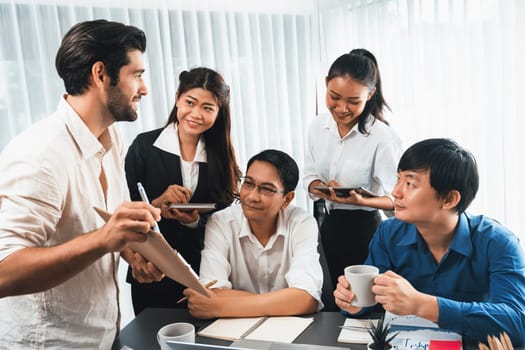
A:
327	296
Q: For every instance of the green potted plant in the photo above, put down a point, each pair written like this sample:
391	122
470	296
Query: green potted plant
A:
380	335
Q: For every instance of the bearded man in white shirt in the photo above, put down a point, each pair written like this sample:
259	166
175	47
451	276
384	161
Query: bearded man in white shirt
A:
263	252
58	259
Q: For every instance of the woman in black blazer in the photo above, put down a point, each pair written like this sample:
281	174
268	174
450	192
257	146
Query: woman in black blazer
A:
190	159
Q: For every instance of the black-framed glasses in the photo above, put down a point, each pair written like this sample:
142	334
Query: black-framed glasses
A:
265	189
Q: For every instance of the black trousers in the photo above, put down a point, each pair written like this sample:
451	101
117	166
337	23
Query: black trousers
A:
345	235
163	294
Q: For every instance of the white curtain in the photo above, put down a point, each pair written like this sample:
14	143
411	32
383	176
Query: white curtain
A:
450	68
263	51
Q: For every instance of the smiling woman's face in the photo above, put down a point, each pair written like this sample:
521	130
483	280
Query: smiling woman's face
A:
197	110
346	100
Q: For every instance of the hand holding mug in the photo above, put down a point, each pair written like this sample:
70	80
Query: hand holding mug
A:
344	295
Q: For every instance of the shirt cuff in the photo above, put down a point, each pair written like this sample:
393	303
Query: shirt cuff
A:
364	310
312	196
450	316
194	224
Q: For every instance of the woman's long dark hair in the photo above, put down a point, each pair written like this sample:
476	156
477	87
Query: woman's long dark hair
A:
223	170
361	65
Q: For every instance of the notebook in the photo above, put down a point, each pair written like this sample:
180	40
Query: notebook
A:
282	329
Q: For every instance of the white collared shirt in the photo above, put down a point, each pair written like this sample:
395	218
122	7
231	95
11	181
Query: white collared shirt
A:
354	160
234	257
49	183
168	141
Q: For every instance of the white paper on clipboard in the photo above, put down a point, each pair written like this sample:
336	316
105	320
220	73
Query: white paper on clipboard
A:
158	251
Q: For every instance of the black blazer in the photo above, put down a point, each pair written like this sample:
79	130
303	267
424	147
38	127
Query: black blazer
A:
156	170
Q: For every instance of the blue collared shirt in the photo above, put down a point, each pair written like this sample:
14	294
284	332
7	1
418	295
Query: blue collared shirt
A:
479	282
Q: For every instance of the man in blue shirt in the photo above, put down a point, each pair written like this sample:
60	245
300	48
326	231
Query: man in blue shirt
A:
466	273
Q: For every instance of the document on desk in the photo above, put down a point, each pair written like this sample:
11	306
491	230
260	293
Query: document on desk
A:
281	329
356	331
158	251
418	333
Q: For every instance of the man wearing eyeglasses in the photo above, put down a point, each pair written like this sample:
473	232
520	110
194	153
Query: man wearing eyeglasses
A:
263	252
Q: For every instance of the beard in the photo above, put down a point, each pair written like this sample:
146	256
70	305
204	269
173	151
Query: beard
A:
119	107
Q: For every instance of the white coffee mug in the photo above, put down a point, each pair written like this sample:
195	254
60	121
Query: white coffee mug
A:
180	331
361	279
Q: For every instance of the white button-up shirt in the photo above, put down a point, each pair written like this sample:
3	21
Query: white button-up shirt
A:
49	183
354	160
168	141
234	257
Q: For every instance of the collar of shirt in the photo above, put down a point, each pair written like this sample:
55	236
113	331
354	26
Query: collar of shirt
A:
461	243
87	143
331	125
168	141
245	231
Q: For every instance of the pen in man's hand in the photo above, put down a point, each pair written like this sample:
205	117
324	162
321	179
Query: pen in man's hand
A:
144	197
207	285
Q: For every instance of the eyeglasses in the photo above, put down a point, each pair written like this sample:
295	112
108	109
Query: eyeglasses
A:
267	190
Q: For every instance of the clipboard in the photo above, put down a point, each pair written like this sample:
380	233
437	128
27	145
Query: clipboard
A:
158	251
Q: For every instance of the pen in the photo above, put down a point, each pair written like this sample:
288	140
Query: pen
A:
355	328
144	197
207	285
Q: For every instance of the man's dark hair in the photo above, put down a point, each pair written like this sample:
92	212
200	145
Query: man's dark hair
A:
451	167
286	167
89	42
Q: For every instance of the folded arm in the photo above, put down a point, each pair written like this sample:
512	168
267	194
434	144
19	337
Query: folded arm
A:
235	303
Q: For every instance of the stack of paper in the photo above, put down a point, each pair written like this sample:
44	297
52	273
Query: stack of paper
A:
356	331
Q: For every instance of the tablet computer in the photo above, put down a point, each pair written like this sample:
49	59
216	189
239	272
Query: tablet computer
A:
201	207
345	191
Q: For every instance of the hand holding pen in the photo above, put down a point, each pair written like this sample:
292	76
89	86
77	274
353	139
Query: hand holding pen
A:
144	198
207	285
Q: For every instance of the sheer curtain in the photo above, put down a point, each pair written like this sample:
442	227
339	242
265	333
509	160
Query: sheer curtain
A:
264	53
450	69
